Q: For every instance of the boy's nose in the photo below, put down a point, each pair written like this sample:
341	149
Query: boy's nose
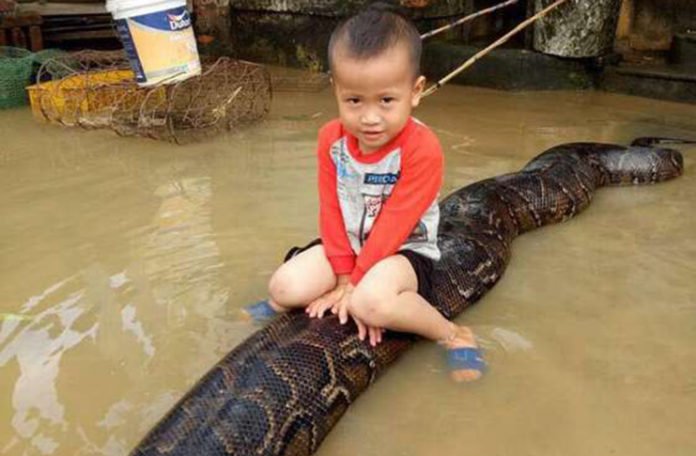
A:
370	118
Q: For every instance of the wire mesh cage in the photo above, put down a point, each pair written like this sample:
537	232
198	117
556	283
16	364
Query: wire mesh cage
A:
96	89
229	93
80	89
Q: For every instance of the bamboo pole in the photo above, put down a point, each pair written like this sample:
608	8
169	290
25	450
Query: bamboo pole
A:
485	51
468	18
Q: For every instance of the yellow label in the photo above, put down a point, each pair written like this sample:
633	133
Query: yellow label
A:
165	55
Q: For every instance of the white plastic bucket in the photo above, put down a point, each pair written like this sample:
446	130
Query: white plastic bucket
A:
158	38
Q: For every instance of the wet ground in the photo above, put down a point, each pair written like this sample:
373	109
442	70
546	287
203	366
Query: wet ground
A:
123	264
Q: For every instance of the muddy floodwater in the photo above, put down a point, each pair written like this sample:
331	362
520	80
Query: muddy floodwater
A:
124	263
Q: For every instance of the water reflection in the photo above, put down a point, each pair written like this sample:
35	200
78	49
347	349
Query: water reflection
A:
113	324
37	347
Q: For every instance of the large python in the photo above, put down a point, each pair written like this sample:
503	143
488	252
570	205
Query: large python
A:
282	390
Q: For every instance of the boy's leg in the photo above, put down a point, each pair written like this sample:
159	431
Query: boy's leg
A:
387	297
301	280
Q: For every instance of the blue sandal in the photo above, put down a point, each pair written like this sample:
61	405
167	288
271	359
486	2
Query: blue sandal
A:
465	359
260	312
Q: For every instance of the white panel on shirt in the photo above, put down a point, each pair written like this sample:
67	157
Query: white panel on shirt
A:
362	189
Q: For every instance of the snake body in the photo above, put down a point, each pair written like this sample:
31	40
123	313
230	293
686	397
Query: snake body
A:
282	390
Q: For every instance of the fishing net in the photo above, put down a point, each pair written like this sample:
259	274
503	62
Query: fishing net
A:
15	73
96	89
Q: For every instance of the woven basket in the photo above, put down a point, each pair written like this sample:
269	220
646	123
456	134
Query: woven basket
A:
15	74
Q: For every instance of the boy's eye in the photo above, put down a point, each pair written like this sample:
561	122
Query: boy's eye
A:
387	100
353	100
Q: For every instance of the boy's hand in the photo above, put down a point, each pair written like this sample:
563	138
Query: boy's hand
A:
372	333
341	307
330	300
337	301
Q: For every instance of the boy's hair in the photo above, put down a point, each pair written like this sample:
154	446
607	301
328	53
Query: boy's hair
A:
374	30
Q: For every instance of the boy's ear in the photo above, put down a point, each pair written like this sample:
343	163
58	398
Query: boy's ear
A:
417	91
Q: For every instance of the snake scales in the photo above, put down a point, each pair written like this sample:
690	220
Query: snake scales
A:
282	390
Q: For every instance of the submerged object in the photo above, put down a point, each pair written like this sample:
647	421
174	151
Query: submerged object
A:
282	390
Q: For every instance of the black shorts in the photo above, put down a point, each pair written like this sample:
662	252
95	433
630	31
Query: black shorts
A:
422	266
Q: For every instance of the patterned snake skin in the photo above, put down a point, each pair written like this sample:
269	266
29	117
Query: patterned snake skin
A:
282	390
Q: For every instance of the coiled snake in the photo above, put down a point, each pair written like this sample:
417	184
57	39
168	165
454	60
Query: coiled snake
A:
282	390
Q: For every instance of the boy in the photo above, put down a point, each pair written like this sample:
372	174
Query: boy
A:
380	173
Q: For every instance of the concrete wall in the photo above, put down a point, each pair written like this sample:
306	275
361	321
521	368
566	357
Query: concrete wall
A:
649	25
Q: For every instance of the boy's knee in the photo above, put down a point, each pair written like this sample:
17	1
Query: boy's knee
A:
372	306
282	289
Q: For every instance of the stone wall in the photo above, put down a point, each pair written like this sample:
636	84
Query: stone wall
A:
295	32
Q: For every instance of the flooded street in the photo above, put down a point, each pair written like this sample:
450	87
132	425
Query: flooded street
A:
125	261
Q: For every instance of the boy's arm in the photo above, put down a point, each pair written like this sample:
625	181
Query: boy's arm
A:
331	227
417	188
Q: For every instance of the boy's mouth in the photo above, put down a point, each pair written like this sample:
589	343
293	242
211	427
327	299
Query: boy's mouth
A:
372	134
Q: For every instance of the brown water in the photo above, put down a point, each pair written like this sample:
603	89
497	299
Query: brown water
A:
124	262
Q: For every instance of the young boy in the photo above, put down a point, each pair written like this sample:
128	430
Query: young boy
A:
380	173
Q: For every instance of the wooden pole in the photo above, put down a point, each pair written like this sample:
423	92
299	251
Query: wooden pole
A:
529	33
18	38
485	51
468	18
35	38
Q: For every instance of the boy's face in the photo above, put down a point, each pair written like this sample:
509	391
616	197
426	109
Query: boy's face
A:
375	96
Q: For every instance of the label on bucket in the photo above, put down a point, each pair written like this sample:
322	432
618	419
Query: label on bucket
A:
160	46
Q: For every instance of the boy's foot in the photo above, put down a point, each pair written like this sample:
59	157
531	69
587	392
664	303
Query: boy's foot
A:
260	312
464	359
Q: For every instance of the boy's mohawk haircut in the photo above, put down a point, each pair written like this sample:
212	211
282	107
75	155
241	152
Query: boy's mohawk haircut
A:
374	30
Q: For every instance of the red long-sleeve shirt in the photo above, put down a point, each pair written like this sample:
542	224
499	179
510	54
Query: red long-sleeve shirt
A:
373	205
